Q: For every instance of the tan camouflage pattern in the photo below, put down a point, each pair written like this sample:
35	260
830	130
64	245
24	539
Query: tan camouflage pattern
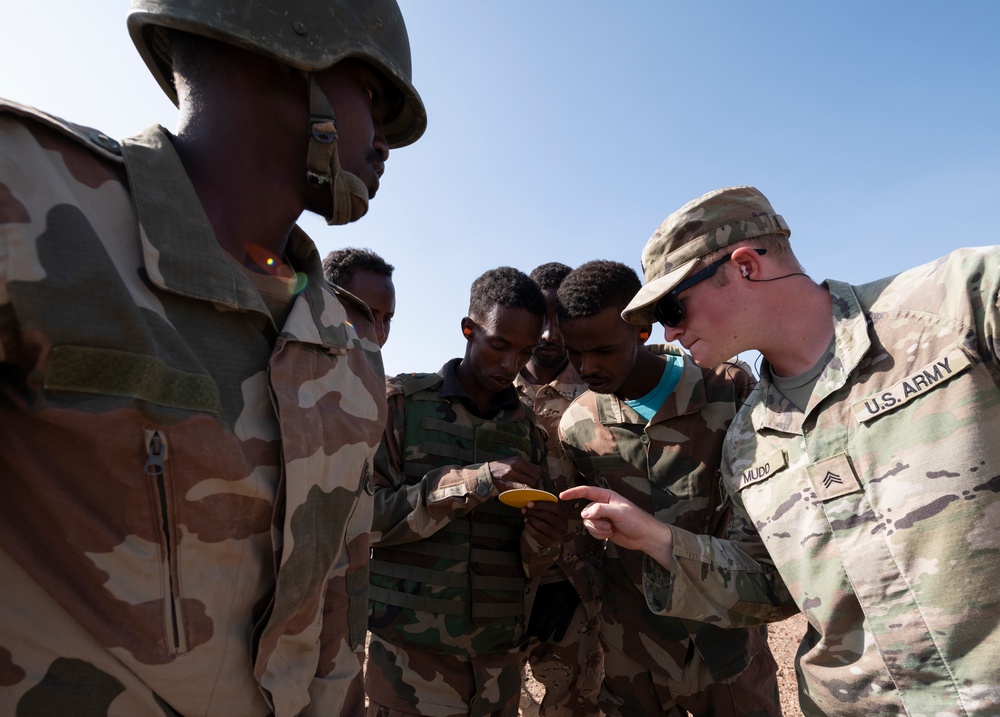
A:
875	511
753	693
570	669
410	509
187	486
413	682
668	467
703	225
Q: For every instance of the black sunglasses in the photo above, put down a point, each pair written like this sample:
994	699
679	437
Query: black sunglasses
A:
669	310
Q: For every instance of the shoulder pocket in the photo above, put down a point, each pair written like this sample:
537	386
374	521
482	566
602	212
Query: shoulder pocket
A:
919	382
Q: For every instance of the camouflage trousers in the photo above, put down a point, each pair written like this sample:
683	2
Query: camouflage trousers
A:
401	681
631	689
570	669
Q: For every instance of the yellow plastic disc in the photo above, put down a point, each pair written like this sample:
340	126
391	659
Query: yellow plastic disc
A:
520	497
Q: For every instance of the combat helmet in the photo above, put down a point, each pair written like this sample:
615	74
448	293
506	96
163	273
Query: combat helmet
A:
310	35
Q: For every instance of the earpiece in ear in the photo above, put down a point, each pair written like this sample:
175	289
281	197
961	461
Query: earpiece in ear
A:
467	331
744	271
644	334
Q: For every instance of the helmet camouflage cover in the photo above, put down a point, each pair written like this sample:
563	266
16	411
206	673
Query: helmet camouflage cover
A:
309	35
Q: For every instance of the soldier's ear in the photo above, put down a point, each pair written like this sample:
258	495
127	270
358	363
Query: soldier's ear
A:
467	327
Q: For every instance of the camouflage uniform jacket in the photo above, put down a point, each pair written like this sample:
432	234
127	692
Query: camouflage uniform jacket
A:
670	468
876	510
187	487
578	560
429	509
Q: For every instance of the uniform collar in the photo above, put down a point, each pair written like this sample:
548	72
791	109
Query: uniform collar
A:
851	342
567	384
451	387
689	396
182	256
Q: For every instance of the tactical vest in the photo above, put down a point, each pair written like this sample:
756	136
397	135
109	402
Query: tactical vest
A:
461	590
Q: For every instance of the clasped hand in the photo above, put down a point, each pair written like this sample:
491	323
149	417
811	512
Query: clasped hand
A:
545	522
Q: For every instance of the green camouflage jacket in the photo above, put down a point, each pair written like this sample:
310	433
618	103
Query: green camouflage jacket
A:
578	561
877	510
423	502
670	468
186	486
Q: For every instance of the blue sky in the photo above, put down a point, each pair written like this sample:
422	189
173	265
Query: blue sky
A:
566	130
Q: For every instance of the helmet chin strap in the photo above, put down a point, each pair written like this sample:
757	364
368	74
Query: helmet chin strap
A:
348	193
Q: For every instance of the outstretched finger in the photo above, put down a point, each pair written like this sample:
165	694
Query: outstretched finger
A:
587	492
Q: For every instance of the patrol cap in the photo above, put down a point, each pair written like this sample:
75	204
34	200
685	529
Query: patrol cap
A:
712	221
310	35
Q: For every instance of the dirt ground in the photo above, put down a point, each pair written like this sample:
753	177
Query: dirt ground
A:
784	639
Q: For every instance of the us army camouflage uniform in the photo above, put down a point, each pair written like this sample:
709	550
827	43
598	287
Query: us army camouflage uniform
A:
186	485
451	567
657	665
571	668
876	510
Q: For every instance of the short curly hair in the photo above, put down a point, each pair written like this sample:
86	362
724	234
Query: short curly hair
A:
504	286
595	286
550	276
339	265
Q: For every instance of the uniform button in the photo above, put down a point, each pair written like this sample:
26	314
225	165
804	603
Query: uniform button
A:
644	440
483	489
103	141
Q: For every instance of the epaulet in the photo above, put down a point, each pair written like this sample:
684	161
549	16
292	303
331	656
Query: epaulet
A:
665	350
411	383
95	140
346	297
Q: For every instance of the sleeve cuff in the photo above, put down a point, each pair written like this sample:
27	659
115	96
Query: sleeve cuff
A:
483	483
658	586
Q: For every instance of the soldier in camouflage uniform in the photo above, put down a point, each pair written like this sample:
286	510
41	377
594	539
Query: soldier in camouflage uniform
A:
188	415
564	652
367	276
863	473
452	565
651	428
